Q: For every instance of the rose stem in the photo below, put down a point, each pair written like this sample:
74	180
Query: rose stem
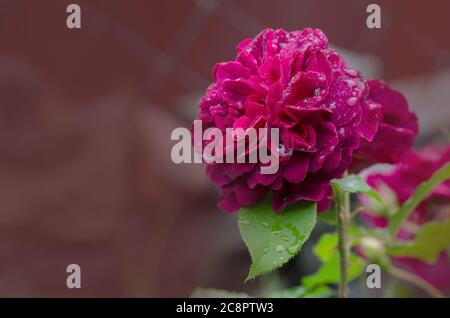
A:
342	201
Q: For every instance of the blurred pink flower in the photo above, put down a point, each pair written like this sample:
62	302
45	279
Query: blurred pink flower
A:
403	180
396	132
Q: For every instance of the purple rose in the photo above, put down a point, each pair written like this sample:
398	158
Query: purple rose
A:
396	131
294	82
401	183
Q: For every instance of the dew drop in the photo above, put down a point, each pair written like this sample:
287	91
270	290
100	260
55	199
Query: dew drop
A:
293	249
283	153
280	248
350	83
351	72
372	106
317	91
352	101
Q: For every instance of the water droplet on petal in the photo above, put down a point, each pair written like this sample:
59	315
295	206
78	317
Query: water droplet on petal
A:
283	153
351	72
350	83
372	106
352	101
317	91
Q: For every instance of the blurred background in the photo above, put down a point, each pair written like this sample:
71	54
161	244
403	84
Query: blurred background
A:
85	120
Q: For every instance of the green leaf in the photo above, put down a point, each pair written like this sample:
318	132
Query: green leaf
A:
422	191
294	292
328	216
326	246
431	239
216	293
355	184
328	273
301	292
274	238
320	292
